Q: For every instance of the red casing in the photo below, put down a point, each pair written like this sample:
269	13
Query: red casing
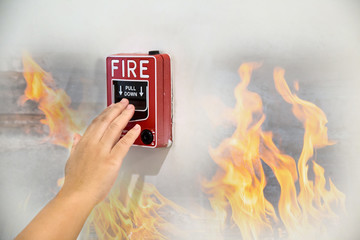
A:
155	72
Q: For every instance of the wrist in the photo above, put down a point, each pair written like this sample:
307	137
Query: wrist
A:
76	198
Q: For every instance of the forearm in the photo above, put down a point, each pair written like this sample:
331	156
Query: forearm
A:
91	170
62	218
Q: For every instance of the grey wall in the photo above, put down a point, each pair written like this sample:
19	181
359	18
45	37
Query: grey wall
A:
317	42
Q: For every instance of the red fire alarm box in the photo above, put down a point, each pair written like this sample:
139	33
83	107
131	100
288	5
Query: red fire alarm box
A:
145	80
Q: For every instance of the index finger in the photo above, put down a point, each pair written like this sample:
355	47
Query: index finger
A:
98	126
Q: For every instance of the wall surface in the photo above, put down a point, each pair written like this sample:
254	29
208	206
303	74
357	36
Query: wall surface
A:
316	42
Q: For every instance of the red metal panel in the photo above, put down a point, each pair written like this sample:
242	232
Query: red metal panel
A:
146	81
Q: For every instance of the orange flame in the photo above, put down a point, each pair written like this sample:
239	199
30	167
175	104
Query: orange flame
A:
121	215
240	182
314	199
55	104
238	185
133	216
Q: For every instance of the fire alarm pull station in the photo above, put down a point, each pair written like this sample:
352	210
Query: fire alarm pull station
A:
145	80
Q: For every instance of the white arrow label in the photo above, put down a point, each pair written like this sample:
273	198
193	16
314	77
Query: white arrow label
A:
141	92
120	91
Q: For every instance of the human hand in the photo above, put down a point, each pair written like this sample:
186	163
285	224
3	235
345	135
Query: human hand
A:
96	158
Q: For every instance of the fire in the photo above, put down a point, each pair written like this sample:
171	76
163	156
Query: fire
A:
136	215
314	199
54	103
122	215
238	185
306	204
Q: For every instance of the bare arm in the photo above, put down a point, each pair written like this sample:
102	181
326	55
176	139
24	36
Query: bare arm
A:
90	172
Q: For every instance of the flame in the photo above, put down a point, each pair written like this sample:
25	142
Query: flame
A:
236	190
238	185
314	199
240	182
54	103
121	215
136	215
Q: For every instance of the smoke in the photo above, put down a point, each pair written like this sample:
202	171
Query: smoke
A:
316	42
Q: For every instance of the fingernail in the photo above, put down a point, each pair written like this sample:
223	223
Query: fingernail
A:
130	106
124	100
137	127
